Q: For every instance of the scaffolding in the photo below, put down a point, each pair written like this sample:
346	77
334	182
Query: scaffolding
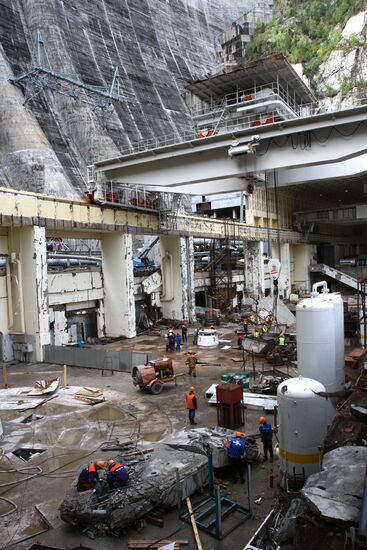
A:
40	78
222	260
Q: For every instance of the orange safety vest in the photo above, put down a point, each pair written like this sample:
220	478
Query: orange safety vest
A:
191	361
114	467
91	468
190	401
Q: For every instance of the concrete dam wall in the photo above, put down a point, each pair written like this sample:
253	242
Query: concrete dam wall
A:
46	144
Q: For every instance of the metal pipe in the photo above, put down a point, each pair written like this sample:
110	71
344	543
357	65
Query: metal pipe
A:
20	292
9	295
75	257
218	513
322	284
249	488
210	474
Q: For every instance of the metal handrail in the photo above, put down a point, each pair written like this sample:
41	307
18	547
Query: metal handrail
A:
303	111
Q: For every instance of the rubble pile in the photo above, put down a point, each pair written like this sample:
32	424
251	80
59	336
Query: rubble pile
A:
155	485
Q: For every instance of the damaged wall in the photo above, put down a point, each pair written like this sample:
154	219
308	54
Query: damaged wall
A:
74	286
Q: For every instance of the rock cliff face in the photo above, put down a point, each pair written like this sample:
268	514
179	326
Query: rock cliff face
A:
157	45
343	77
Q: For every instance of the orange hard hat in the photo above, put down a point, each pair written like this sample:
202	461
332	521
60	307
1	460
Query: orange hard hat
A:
238	434
110	462
262	419
190	351
100	464
192	388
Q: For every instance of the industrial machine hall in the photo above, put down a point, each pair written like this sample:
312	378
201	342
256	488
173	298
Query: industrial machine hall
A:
183	274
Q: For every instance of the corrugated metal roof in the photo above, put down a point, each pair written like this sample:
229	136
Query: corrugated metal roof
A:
262	71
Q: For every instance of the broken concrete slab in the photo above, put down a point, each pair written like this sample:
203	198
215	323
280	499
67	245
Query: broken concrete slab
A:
168	475
336	492
200	440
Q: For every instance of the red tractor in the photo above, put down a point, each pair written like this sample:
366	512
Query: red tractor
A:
153	375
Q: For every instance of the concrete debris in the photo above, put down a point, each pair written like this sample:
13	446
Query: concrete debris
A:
90	392
200	440
45	387
336	492
287	527
90	396
283	315
19	404
154	484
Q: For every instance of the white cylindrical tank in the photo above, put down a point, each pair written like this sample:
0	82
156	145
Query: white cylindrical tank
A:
208	338
303	423
339	339
320	339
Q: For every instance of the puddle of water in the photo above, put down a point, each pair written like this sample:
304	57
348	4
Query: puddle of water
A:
107	414
152	436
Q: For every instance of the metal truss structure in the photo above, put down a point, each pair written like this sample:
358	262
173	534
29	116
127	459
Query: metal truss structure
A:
39	79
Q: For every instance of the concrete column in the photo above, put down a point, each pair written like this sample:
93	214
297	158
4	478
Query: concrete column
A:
118	279
177	267
254	267
284	281
28	264
301	257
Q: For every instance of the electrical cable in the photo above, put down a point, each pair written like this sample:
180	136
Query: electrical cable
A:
303	140
15	507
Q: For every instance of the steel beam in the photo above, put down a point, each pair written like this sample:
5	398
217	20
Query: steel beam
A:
323	139
354	166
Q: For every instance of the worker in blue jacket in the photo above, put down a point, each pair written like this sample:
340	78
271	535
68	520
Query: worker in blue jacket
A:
236	449
88	477
266	433
117	475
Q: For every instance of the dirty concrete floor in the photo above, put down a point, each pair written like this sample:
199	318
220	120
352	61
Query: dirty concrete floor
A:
72	434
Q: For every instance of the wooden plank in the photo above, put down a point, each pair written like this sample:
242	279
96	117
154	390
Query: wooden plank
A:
137	544
155	520
193	523
134	453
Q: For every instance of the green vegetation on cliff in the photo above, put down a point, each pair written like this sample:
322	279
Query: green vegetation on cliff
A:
305	31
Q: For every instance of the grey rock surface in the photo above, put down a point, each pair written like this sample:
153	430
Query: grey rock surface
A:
157	45
336	492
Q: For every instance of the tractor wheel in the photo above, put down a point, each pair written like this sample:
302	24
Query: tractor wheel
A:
156	388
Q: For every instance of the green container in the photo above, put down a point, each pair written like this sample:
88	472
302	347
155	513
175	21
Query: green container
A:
244	374
226	377
246	385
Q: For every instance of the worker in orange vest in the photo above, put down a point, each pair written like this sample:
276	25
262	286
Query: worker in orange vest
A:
117	475
191	404
88	477
191	362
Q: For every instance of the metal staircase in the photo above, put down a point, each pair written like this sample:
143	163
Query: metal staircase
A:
335	274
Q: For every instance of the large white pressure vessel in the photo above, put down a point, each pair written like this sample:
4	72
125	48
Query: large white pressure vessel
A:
320	339
303	423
